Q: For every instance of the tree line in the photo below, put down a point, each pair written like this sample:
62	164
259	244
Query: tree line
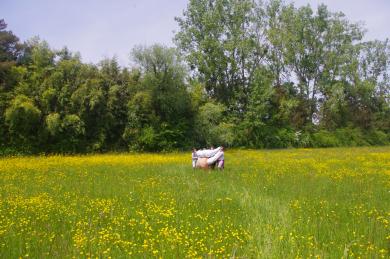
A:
243	73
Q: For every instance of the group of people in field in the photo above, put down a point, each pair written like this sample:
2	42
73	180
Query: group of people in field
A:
208	158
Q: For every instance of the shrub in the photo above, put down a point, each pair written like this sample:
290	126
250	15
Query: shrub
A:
350	137
208	121
377	137
303	139
53	123
325	138
73	130
23	120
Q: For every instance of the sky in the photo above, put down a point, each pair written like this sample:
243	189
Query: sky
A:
102	29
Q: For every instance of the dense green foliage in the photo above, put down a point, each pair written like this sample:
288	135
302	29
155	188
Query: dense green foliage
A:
244	73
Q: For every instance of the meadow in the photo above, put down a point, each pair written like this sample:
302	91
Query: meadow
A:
296	203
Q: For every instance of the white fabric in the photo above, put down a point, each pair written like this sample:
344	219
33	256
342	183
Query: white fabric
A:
207	152
218	156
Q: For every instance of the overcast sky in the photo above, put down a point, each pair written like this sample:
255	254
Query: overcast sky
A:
101	28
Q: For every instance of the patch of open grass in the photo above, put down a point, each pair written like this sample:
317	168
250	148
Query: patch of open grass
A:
325	203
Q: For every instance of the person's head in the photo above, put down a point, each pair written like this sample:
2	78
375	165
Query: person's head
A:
222	148
193	149
211	147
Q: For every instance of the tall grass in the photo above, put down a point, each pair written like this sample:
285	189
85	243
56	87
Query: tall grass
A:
318	203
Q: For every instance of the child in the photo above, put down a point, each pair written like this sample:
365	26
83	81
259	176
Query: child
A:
194	158
221	164
221	160
218	158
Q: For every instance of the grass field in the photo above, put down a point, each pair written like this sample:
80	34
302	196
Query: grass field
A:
305	203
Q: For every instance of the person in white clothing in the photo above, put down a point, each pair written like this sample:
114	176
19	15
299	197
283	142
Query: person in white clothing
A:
207	152
218	159
194	158
208	158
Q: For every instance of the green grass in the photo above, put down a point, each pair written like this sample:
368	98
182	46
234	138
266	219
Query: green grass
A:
326	203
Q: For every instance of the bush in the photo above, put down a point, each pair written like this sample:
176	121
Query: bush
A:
303	139
350	137
23	120
12	151
147	141
224	134
209	123
278	138
53	123
73	133
377	137
325	138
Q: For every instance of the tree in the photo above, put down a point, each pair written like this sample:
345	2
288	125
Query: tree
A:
374	65
219	41
164	80
89	104
140	116
249	73
211	127
319	50
10	47
10	50
23	120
